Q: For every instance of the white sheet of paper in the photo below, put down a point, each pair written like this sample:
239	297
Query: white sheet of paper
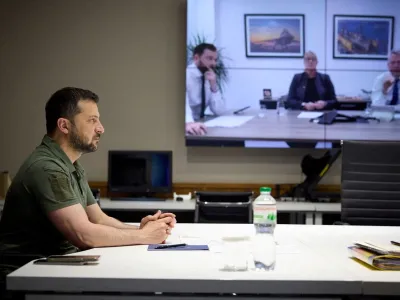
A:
215	245
309	114
228	121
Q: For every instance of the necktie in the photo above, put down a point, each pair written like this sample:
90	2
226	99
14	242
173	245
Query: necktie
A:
395	97
203	96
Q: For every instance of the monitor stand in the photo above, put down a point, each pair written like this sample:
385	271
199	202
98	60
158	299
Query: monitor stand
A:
147	197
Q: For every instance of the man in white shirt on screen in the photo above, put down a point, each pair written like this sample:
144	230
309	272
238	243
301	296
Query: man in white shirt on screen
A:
386	86
201	83
192	127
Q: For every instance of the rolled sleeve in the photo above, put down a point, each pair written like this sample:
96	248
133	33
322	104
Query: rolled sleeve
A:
52	188
90	198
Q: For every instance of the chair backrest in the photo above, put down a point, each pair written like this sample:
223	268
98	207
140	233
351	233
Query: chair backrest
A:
370	188
224	207
96	194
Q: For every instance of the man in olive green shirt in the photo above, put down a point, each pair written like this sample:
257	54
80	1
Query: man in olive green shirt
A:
49	208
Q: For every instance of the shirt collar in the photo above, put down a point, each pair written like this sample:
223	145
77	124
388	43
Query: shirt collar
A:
55	148
194	70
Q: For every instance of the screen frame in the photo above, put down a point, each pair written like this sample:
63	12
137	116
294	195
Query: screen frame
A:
146	154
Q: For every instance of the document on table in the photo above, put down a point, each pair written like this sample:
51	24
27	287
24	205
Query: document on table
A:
309	115
228	121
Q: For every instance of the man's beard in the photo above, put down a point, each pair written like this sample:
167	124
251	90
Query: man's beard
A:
79	144
203	68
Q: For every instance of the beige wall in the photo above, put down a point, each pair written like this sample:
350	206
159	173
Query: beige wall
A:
132	54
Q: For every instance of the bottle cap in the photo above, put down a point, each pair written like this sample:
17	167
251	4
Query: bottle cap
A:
265	189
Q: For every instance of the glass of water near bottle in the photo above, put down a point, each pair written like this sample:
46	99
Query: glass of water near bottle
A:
256	252
236	253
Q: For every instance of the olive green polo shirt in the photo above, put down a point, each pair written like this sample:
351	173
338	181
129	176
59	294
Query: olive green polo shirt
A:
46	181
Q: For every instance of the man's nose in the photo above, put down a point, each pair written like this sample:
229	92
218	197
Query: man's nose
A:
100	128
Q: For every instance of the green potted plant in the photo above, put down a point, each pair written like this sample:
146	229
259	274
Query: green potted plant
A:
221	70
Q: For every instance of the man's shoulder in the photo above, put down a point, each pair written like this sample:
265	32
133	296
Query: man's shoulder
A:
41	159
324	76
382	75
298	77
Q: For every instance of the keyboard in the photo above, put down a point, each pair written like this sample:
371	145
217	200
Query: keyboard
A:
136	199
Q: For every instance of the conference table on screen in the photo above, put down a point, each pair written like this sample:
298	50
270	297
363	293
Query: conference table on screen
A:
268	124
311	261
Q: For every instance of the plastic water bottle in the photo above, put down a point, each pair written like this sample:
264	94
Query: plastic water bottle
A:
265	220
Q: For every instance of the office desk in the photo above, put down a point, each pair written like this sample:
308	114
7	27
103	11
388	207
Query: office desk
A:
268	125
307	208
310	261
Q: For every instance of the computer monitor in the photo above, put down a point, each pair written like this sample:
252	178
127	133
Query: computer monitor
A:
251	64
139	173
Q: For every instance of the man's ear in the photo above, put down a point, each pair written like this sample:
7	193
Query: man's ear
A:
63	125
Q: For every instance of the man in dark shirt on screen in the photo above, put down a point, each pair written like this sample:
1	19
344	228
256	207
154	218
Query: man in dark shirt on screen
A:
49	208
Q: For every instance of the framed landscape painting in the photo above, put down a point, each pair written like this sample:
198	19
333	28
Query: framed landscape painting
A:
269	35
362	37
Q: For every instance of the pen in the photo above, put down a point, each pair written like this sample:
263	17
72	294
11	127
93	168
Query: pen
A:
395	243
240	110
169	246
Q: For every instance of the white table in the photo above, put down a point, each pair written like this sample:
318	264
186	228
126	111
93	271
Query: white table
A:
308	208
311	261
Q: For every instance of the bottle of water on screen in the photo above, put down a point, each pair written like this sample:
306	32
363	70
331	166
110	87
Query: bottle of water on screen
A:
265	220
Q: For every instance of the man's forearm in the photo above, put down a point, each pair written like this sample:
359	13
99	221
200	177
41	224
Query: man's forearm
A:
97	235
109	221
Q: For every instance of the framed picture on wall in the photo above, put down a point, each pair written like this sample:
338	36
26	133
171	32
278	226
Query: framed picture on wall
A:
272	35
267	93
362	37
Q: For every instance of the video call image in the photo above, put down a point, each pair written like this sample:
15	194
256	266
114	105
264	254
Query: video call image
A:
289	73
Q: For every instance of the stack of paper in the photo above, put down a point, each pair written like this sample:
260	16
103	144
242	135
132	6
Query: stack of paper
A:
228	121
309	115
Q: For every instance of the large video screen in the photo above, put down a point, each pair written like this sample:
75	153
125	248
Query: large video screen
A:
290	73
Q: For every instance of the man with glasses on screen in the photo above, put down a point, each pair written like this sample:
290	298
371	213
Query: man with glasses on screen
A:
386	86
201	83
49	208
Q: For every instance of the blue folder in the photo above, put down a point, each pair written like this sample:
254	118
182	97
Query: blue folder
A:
180	248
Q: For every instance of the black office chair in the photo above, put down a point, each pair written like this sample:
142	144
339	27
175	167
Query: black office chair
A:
9	262
224	207
370	189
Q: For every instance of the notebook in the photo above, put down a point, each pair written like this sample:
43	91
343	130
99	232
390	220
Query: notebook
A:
378	248
377	256
181	248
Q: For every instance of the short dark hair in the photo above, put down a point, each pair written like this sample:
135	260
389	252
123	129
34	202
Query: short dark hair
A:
64	104
199	49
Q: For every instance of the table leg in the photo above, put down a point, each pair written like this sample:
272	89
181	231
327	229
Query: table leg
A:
318	218
309	218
